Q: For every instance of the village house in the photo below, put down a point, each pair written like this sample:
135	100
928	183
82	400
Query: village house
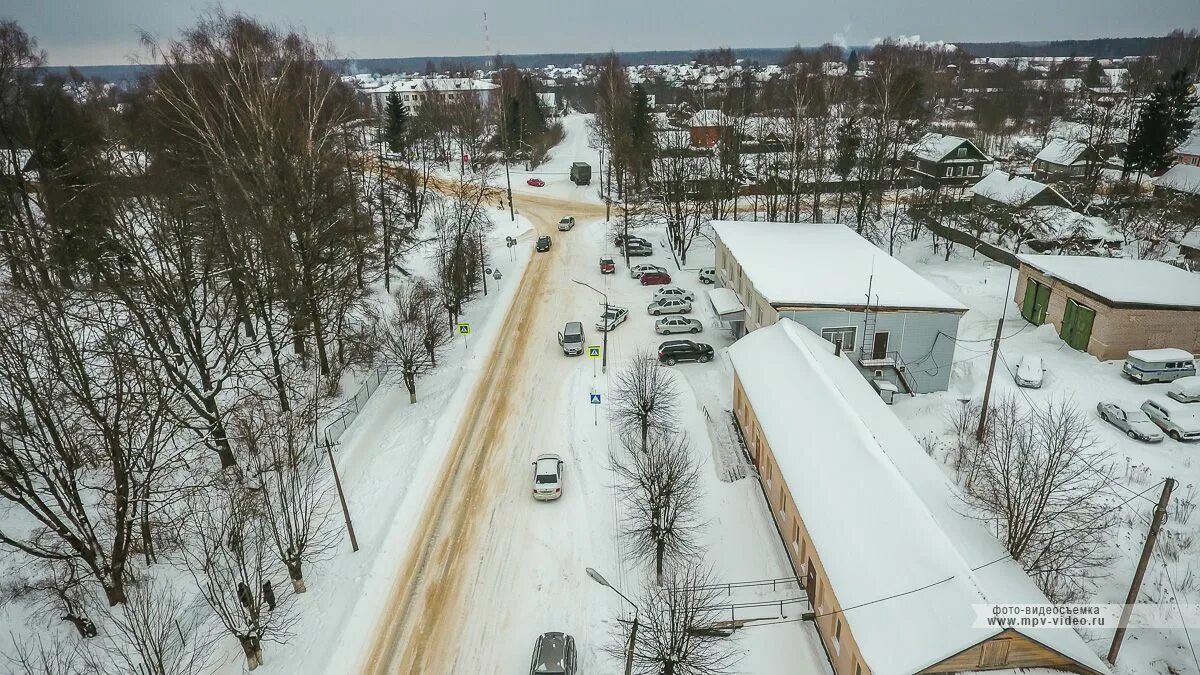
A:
1182	180
1005	190
415	92
898	326
706	127
866	515
1108	306
1066	160
1188	152
938	160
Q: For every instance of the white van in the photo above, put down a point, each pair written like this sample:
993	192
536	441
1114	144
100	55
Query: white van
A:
571	338
1158	365
1185	389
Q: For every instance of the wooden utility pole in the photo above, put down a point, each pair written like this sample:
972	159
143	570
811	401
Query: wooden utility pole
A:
1160	514
987	390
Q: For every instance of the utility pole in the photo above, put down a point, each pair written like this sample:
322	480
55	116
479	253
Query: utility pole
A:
482	263
1160	514
987	390
337	482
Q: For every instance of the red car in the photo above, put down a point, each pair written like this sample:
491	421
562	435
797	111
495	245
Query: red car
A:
536	182
607	266
655	278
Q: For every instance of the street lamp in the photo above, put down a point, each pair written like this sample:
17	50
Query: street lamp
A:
604	339
598	578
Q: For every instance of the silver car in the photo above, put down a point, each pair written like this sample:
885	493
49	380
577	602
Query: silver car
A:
669	306
636	271
566	223
669	325
1135	423
1177	419
673	292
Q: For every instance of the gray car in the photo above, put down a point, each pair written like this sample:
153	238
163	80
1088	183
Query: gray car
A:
669	325
669	306
1177	419
1135	423
553	654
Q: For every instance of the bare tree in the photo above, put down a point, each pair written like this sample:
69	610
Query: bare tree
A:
411	337
41	656
229	555
155	633
680	631
1040	480
644	398
661	486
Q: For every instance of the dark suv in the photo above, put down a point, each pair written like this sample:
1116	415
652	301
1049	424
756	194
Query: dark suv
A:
543	243
553	654
673	351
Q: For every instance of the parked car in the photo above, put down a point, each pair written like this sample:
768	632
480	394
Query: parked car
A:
1158	365
668	305
674	292
669	325
1177	419
615	316
639	251
655	278
553	654
708	275
566	223
620	239
674	351
636	271
543	243
1030	372
547	477
1185	389
1135	423
571	338
607	266
535	182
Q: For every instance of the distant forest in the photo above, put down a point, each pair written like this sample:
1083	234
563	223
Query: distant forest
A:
1098	47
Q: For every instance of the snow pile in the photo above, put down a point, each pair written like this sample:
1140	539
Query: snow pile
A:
893	527
802	264
1121	281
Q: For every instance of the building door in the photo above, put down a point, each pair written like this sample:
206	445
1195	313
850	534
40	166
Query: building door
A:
810	585
1037	299
994	653
880	346
1077	325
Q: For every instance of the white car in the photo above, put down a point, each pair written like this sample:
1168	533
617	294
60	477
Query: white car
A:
636	271
615	316
669	306
1135	423
673	292
566	223
1177	419
1030	372
708	275
547	477
1185	389
677	324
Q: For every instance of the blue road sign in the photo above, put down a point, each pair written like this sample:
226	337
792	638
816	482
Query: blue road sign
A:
595	399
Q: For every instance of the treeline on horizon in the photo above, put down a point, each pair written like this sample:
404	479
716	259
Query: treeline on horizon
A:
1096	47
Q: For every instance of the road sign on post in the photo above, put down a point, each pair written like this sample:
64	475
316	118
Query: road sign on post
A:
594	399
594	353
464	329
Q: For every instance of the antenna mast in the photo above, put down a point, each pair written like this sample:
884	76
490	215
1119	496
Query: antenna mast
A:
487	45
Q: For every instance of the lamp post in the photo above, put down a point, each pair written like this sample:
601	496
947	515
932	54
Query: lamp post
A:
598	578
604	339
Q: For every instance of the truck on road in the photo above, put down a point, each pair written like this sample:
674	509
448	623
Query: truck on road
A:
581	173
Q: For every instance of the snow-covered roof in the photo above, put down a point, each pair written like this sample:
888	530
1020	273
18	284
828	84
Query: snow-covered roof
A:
1191	146
896	525
934	147
1122	281
1162	354
1005	188
1181	178
725	301
548	99
825	265
1062	151
435	84
1058	223
709	118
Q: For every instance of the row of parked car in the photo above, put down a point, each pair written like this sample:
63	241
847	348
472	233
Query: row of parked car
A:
1177	416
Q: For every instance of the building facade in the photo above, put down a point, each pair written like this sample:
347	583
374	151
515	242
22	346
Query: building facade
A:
938	160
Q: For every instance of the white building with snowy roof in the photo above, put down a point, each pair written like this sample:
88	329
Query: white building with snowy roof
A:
898	326
895	574
415	92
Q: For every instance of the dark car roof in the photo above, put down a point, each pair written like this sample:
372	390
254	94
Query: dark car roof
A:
685	344
551	654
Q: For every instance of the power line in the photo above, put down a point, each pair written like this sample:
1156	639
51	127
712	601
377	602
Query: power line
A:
1182	621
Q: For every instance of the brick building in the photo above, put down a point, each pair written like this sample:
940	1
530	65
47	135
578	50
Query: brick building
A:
1108	306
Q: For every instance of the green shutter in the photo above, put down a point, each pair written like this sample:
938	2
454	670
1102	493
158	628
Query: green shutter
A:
1041	304
1077	325
1030	299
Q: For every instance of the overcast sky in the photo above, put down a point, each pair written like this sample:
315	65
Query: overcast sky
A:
92	32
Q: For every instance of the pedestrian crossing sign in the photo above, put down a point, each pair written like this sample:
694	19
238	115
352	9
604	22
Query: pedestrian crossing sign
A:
593	351
464	329
595	399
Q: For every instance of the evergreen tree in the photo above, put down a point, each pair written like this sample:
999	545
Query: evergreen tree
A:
640	129
397	122
1164	121
852	63
1094	75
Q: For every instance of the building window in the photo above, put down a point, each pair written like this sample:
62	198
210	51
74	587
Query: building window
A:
947	172
782	501
845	334
960	153
837	634
796	539
857	668
971	170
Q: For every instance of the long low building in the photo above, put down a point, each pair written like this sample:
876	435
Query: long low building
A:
867	515
899	326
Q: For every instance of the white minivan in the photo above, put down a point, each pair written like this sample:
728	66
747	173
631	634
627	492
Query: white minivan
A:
1159	365
571	338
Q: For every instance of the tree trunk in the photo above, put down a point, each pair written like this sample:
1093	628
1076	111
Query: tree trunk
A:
252	647
410	383
296	574
147	539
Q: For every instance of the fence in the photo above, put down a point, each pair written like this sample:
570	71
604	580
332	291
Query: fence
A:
348	411
967	239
